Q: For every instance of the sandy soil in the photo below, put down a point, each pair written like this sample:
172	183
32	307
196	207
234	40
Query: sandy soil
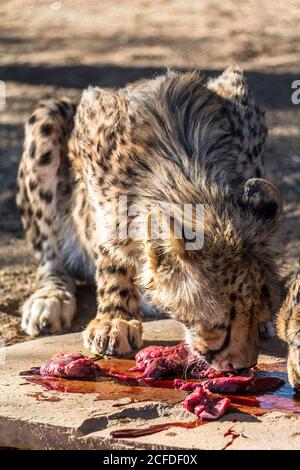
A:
58	48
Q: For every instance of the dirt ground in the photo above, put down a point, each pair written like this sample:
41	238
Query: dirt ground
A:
58	48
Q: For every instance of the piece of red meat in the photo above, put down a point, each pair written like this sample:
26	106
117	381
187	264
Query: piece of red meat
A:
243	384
75	365
234	384
160	361
144	356
201	402
179	384
264	384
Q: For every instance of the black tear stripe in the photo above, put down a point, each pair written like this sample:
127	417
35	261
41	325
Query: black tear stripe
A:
287	321
210	355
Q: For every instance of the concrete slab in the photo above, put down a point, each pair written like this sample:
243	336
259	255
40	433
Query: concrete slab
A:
81	421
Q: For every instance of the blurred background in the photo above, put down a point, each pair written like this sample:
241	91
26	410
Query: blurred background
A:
58	48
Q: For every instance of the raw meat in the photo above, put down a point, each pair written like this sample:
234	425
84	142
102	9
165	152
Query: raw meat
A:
264	384
75	365
201	402
205	406
235	384
158	361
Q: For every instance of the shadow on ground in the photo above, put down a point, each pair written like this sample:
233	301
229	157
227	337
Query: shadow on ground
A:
272	90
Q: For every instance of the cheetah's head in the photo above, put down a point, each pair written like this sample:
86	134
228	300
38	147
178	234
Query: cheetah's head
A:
225	290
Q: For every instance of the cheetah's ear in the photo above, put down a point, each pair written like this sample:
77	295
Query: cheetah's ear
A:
231	85
262	199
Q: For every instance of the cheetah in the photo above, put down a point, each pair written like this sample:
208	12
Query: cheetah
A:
176	139
288	328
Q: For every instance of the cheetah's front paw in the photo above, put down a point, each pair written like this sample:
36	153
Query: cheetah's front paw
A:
294	367
293	364
114	336
48	310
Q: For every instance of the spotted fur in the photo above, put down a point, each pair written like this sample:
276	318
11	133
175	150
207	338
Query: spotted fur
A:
288	328
175	139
